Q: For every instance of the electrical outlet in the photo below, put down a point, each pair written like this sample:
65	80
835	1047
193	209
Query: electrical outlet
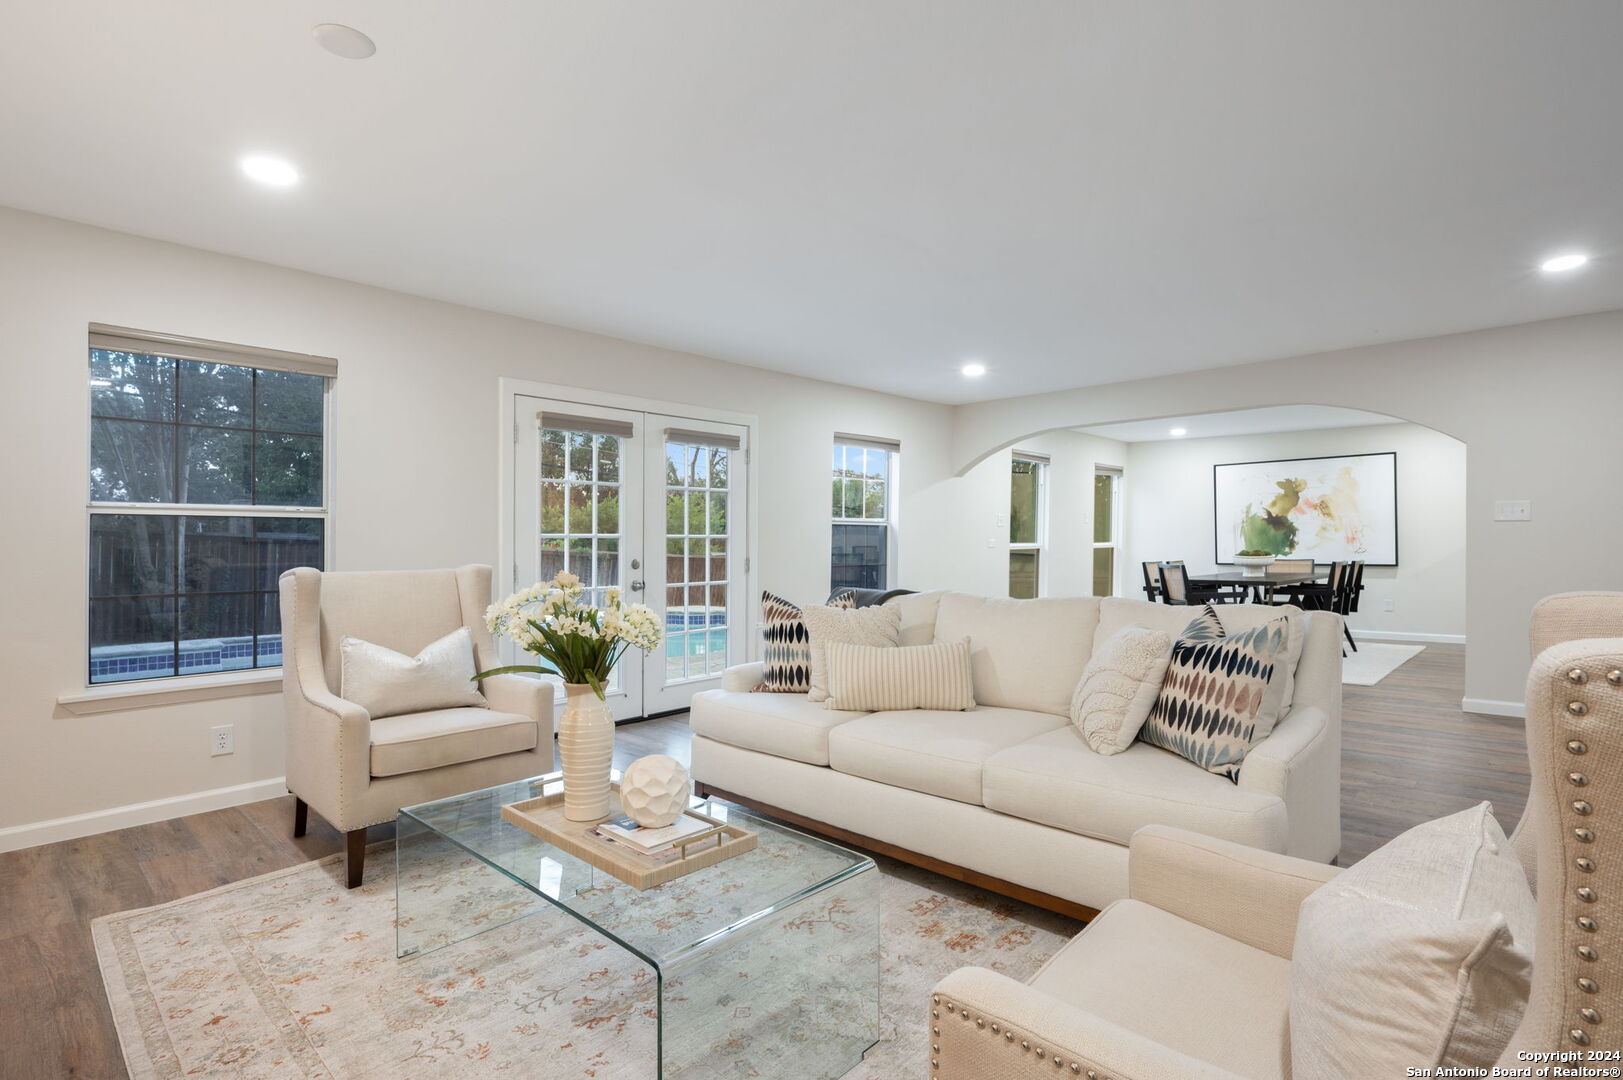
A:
991	541
1513	510
221	741
1387	606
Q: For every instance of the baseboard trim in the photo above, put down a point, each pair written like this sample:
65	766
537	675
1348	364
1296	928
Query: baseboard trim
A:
1490	707
16	837
1399	635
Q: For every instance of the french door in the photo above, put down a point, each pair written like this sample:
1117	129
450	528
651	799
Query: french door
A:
654	505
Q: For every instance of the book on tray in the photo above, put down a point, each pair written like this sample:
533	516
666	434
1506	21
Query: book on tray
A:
648	841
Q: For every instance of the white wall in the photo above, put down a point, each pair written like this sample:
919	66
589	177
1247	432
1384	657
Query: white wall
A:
1535	404
416	439
1169	514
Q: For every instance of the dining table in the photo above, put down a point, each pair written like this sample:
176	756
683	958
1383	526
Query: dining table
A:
1259	586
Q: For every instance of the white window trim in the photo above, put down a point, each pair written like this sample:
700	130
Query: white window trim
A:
893	464
1040	546
175	689
1118	508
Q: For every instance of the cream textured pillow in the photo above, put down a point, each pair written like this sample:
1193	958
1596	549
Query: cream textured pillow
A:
879	626
1119	687
865	678
1420	956
387	683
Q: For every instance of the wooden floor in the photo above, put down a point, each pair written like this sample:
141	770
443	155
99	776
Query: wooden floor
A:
1409	755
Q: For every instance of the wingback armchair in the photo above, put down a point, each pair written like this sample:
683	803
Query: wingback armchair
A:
1188	979
358	772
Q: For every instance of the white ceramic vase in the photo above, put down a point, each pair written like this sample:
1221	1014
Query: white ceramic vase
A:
586	745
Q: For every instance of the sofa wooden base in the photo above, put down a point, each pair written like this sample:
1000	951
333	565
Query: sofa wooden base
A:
936	866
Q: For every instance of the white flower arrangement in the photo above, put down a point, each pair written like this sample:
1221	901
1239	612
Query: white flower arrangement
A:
582	643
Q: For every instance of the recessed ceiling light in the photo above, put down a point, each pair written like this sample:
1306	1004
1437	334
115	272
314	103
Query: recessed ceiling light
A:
270	170
974	369
1178	432
1558	263
345	41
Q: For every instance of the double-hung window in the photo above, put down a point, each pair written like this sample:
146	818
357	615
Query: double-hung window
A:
1028	524
207	479
1106	529
864	504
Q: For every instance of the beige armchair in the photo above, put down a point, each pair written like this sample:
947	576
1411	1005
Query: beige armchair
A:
356	771
1188	978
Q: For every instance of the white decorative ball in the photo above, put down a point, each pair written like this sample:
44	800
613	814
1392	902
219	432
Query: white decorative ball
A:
654	790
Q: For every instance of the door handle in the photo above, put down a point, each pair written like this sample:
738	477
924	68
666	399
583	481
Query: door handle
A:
638	586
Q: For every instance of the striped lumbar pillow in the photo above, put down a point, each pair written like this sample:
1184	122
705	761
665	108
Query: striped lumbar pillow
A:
788	645
881	678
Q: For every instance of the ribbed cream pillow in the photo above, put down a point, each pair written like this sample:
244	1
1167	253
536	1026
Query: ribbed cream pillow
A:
879	679
388	683
880	626
1119	687
1419	956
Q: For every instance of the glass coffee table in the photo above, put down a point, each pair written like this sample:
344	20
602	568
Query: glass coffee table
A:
776	949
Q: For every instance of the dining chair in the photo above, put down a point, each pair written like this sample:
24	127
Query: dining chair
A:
1152	577
1176	587
1287	566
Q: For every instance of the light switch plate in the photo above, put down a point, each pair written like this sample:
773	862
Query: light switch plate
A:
1513	510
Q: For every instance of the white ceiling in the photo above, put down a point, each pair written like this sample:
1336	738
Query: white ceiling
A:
1260	421
1074	191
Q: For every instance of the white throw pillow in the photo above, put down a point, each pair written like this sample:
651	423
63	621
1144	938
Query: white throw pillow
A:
1119	687
878	626
388	683
862	678
1419	956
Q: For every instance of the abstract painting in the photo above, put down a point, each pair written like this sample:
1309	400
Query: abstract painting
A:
1326	508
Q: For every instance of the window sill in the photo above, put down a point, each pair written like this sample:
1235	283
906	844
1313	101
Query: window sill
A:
146	694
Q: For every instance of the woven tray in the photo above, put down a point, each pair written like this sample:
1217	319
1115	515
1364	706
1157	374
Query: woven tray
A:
544	817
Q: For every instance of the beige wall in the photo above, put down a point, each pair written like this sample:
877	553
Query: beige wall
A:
417	442
1169	514
1536	406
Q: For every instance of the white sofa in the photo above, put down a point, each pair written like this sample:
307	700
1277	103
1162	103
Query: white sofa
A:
1008	795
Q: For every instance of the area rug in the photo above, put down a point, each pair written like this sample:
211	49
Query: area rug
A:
1374	661
290	975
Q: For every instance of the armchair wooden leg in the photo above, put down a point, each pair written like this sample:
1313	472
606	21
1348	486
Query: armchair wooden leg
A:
354	856
301	816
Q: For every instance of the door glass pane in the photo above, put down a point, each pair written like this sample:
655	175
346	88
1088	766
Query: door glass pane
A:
1104	571
580	526
696	553
1023	574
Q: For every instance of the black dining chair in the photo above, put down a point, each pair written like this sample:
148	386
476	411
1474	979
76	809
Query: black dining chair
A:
1339	596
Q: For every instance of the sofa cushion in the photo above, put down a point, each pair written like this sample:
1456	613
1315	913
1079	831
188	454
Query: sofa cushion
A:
918	611
938	753
783	725
1025	654
875	626
901	677
1116	612
1227	1004
1211	707
412	742
1119	687
1056	780
787	645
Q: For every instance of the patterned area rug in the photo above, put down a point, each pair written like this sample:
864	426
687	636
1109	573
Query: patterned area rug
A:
290	975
